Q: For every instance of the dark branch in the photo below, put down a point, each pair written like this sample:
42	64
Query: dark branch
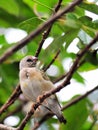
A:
58	6
53	60
4	127
45	35
64	75
45	118
11	99
76	100
9	113
60	78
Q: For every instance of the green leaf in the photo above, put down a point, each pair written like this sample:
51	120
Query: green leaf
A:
57	29
87	67
79	11
92	57
87	21
72	21
86	126
70	36
90	7
9	20
25	11
41	8
53	47
10	6
78	77
4	93
30	24
2	40
84	37
76	116
41	4
9	73
3	44
95	24
9	79
89	26
32	47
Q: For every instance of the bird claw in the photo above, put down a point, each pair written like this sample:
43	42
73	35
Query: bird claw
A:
38	108
40	98
33	106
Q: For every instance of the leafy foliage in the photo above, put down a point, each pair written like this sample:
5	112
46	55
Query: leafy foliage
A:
76	114
29	15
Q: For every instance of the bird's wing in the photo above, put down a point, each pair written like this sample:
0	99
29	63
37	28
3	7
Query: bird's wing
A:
44	75
54	97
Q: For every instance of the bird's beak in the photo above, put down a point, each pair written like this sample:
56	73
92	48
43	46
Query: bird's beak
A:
35	59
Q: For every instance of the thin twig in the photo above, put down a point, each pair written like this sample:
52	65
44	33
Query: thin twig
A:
45	118
66	82
60	78
5	127
46	33
58	6
11	99
64	75
45	69
33	34
17	109
76	100
92	125
25	120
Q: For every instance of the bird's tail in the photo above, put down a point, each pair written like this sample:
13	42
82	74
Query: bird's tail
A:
58	113
61	118
55	108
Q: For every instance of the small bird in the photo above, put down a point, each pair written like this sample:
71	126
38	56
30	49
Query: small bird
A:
35	83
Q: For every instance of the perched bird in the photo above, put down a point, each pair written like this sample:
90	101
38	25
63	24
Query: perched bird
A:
34	83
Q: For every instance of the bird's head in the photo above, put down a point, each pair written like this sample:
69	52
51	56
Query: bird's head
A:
28	61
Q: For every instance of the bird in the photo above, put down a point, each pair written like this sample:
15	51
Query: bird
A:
34	83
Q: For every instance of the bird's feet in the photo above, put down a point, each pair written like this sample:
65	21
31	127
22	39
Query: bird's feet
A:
40	99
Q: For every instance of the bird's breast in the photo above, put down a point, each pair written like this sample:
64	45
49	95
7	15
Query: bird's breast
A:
33	84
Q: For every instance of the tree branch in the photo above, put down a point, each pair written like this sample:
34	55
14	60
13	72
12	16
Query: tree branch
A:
33	34
45	35
60	78
9	113
64	75
45	69
4	127
76	100
11	99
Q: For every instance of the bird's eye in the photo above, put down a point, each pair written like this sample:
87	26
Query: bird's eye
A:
29	60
